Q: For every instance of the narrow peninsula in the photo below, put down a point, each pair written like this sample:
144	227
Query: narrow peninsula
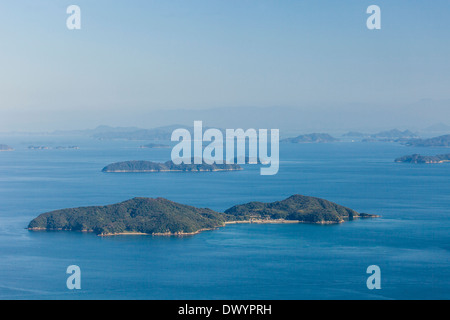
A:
160	216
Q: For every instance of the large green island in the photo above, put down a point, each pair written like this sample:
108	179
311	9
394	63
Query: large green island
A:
164	217
149	166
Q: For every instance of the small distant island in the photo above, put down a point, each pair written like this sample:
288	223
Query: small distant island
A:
441	141
48	148
168	166
154	146
312	138
4	147
38	147
160	216
417	158
68	147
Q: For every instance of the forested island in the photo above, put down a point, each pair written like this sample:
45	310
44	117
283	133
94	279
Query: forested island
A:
168	166
164	217
417	158
441	141
4	147
312	138
297	208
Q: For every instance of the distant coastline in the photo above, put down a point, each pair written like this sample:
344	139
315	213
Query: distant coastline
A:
312	138
441	141
5	147
142	166
417	158
154	146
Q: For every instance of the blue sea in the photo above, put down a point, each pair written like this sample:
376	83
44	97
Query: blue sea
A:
410	242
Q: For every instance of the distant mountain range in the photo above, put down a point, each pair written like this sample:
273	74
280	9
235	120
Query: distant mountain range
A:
130	133
165	132
437	128
391	134
126	133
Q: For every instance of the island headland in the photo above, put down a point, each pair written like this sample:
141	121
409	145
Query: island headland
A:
417	158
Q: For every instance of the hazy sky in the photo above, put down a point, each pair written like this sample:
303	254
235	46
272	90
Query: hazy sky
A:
134	57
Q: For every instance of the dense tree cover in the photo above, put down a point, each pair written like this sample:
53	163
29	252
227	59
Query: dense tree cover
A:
296	207
144	215
417	158
147	215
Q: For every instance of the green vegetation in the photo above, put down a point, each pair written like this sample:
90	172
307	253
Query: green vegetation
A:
149	166
417	158
162	216
312	138
143	215
296	207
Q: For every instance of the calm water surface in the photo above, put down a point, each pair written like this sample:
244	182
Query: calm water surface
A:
410	243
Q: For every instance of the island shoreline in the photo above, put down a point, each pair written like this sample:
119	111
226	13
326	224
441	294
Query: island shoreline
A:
181	234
